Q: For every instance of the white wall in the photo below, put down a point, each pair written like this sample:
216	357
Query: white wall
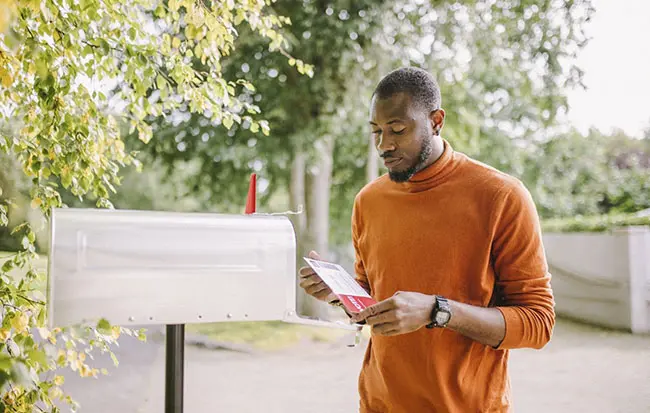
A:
602	278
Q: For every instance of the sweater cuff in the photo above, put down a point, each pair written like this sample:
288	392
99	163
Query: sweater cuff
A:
514	328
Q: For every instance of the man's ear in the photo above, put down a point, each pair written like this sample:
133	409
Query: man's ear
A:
437	118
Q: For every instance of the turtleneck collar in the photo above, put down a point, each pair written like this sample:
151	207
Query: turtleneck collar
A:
435	173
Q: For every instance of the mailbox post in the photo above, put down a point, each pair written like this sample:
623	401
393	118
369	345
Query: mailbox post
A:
169	268
174	368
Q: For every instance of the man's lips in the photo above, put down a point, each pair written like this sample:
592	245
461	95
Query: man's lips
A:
392	162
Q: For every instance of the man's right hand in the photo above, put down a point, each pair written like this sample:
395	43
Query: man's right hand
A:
313	284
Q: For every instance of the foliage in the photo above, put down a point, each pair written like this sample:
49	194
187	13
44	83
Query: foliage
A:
575	174
503	70
502	67
61	120
594	223
299	109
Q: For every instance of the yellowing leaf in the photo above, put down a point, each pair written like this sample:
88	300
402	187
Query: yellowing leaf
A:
20	322
119	145
4	334
176	43
72	357
59	380
36	202
5	76
85	371
55	392
6	14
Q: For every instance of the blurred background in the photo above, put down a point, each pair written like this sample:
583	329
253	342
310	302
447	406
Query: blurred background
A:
552	92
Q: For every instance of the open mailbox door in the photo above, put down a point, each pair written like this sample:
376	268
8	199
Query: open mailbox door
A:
144	267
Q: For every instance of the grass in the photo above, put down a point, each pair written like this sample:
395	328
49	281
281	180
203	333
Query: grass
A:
266	335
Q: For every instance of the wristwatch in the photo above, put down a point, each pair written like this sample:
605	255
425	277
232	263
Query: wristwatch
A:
441	313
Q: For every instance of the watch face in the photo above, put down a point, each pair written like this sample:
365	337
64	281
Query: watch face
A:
442	317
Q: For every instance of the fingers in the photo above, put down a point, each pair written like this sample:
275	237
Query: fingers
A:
387	329
314	286
310	282
378	308
325	295
385	317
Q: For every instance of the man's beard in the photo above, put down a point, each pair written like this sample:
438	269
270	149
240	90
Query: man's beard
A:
405	175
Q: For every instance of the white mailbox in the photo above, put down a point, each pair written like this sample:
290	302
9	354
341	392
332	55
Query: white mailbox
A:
144	267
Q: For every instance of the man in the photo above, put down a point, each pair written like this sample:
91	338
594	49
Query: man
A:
451	249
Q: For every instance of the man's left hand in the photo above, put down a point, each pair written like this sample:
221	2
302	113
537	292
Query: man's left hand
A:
402	313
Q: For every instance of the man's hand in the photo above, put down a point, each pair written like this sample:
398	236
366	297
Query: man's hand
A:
313	284
402	313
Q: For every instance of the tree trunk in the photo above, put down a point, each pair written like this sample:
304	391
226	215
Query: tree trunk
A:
372	166
297	193
319	181
296	199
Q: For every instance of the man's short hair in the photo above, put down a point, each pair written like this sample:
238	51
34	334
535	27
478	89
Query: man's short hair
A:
416	82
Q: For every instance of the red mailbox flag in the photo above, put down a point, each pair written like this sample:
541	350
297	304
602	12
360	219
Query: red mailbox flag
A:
251	202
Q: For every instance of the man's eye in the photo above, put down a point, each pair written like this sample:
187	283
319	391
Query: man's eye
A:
376	132
399	132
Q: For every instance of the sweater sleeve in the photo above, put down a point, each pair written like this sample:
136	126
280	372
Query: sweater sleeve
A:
523	282
359	268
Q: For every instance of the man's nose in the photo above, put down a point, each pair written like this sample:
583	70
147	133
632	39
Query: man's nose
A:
385	144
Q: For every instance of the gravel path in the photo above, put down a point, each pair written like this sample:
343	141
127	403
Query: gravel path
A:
582	370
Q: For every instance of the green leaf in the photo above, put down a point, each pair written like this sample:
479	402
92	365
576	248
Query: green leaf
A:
142	335
41	316
7	266
38	356
228	122
5	376
114	358
104	327
6	362
239	18
103	44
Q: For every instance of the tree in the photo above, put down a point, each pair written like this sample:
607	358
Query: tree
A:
61	121
573	174
502	67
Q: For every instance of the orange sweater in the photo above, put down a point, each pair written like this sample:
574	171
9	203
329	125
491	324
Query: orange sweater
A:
470	233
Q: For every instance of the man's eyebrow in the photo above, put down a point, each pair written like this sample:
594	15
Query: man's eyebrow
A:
389	122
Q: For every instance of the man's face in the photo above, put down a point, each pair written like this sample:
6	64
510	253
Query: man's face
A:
403	135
